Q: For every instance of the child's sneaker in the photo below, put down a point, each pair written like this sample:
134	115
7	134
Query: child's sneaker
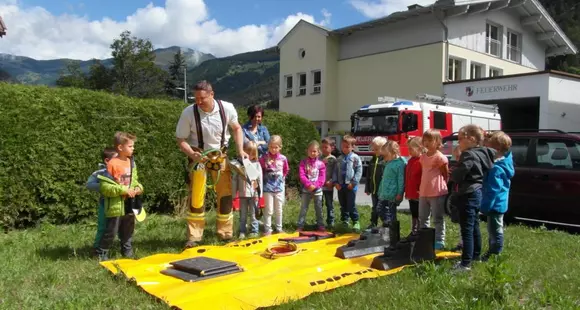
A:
253	235
242	236
439	245
356	226
459	267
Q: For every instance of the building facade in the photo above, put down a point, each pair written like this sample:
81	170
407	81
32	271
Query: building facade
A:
326	75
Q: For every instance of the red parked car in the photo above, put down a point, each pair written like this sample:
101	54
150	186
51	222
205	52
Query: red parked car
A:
546	185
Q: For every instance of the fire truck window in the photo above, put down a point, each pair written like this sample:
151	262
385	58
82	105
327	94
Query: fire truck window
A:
439	121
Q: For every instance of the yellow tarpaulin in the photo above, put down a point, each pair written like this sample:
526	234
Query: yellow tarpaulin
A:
264	282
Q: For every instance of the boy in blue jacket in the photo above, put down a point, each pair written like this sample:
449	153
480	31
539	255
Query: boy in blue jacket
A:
496	187
93	185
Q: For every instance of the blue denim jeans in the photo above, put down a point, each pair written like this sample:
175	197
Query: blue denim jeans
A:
469	222
387	211
306	198
346	198
248	205
329	203
495	231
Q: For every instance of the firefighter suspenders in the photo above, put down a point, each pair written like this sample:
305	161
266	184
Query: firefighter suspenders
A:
197	117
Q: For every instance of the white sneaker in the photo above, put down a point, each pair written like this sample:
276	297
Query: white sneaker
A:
458	267
242	236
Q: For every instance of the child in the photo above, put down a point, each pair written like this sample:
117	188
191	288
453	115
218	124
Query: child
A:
249	191
392	187
121	181
346	178
474	163
413	180
93	185
433	188
275	168
496	187
374	177
453	201
328	190
312	173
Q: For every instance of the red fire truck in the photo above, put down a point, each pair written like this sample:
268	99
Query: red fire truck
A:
401	119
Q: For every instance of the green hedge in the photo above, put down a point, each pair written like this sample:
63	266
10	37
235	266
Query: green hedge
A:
51	141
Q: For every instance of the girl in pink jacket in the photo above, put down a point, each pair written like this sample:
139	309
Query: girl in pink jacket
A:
312	176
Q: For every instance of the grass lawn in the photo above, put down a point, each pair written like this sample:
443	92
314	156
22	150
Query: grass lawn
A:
50	267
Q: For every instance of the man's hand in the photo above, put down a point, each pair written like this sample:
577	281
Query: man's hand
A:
338	187
242	155
328	184
195	156
350	186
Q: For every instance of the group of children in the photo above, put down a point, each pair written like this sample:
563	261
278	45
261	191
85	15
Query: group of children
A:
481	184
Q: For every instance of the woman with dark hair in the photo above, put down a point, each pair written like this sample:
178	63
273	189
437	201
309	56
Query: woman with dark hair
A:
255	131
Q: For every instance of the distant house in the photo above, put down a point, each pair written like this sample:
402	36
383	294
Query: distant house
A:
2	28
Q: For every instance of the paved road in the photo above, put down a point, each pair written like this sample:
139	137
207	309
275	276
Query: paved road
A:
363	199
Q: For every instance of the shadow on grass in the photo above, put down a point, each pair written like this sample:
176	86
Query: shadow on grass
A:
57	253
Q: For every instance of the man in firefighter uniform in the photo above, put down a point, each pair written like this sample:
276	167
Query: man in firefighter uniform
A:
203	126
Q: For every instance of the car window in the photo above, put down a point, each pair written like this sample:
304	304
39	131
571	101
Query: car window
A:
558	154
520	150
448	146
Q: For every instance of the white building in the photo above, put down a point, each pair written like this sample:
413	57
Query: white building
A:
479	50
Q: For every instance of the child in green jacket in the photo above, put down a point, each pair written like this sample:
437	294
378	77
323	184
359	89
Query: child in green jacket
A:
117	185
392	187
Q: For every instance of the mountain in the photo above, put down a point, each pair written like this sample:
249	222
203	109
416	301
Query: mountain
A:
244	79
31	71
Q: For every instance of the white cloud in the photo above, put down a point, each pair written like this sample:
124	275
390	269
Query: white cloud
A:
37	33
380	8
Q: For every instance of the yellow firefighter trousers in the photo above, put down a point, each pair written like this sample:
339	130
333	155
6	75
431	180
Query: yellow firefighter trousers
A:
224	217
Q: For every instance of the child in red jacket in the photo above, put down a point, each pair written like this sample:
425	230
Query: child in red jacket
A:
413	180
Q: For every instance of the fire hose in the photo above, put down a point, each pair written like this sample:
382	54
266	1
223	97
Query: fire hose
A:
281	249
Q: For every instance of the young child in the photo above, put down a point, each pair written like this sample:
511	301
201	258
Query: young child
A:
93	185
433	188
312	173
275	168
374	177
328	190
346	178
249	192
474	163
120	182
392	186
496	187
413	180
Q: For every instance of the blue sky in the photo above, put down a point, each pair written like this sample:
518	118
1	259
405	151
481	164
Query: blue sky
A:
84	29
230	13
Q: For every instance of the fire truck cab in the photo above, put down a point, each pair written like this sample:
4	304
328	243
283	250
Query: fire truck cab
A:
401	119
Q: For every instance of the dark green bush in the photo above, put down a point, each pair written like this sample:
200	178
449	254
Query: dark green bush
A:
51	141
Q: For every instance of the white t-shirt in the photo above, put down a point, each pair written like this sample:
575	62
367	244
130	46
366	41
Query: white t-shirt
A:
211	125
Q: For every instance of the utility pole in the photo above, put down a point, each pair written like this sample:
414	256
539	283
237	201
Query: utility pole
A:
185	83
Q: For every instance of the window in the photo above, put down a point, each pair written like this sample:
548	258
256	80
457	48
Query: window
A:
439	120
520	150
317	80
301	84
514	47
301	53
558	154
455	69
288	79
492	41
476	71
493	72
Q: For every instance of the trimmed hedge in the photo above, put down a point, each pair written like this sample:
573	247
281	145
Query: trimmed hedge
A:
52	138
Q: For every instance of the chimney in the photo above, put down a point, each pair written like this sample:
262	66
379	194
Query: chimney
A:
414	7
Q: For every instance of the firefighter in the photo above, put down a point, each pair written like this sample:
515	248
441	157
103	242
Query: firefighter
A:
202	135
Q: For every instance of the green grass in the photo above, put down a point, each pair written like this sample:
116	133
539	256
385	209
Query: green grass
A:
49	267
